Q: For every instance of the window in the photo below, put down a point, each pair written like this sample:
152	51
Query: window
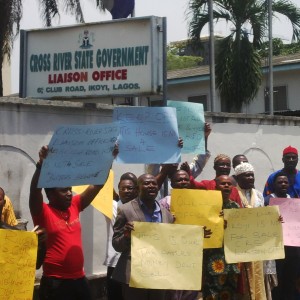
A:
279	98
199	99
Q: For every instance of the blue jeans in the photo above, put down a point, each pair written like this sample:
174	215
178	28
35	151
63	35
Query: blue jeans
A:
52	288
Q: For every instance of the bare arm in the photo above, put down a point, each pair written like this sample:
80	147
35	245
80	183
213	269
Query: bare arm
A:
36	196
200	160
163	174
207	131
89	194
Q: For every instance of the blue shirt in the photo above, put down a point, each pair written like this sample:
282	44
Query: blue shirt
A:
154	217
294	181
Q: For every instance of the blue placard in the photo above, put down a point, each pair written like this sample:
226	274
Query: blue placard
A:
79	155
147	135
190	118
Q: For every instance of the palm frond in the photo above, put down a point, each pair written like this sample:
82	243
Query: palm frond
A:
238	72
74	7
292	12
10	17
49	10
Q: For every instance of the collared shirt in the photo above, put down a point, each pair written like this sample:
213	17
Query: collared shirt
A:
155	216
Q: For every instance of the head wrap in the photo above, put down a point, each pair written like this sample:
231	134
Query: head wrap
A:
290	149
221	156
243	168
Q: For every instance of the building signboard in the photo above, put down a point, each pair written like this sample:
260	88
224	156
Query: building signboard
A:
108	59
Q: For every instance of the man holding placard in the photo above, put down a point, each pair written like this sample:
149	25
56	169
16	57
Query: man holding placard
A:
250	197
63	274
287	268
181	180
142	209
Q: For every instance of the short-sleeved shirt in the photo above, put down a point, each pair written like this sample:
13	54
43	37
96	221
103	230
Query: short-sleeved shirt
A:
64	257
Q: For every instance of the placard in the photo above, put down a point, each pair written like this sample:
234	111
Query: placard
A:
290	212
166	256
253	234
79	155
18	252
190	118
200	207
147	135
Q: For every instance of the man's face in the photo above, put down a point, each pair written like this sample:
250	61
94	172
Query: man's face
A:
222	167
281	185
127	190
60	198
246	180
148	187
181	180
224	184
290	161
238	160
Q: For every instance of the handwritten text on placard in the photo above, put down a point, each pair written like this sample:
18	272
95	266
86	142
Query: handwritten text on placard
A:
18	251
253	234
198	207
79	155
166	256
190	118
147	135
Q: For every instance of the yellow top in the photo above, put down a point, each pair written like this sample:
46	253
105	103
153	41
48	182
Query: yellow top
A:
8	214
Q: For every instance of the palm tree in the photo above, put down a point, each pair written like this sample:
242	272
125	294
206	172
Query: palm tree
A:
11	14
238	64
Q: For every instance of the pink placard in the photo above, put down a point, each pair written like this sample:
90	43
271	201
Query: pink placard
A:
290	211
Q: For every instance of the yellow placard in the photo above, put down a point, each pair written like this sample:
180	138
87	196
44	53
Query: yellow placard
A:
18	250
253	234
166	256
200	207
103	201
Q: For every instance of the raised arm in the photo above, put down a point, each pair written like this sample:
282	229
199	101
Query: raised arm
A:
200	160
164	172
36	196
89	194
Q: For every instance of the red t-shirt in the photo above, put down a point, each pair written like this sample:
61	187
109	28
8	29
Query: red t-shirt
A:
64	257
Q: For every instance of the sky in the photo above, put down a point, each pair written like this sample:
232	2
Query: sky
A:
173	10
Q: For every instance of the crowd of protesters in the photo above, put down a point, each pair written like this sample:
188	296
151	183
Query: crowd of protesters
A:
139	199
